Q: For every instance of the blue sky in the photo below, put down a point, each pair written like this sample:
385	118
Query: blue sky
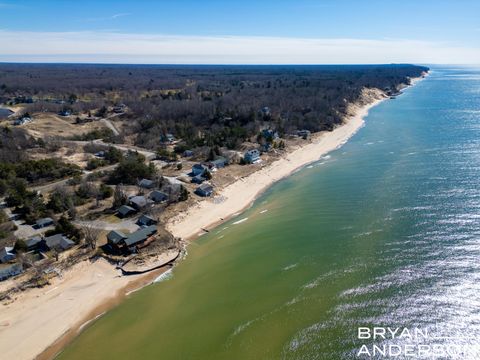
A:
442	31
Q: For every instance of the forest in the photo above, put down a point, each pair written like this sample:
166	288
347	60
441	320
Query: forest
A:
202	105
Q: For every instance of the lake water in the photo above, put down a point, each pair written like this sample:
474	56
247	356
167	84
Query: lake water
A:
383	232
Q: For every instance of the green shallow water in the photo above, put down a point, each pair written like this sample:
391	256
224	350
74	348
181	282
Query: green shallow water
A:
384	231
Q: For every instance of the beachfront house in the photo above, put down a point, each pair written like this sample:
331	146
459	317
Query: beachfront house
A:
218	163
198	169
158	196
33	243
204	190
114	237
303	133
125	210
138	202
58	242
198	179
7	254
146	220
252	156
43	223
8	270
146	184
139	237
120	242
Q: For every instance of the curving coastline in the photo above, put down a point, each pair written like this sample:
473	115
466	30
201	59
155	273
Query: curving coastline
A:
243	192
205	214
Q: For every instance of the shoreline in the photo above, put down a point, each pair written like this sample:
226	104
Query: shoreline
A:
98	288
241	194
64	308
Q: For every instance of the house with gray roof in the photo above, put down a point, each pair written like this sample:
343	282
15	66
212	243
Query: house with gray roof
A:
7	254
218	163
146	220
58	242
139	236
158	196
198	179
8	270
146	184
204	190
138	202
43	223
303	133
33	243
198	169
125	210
120	242
115	237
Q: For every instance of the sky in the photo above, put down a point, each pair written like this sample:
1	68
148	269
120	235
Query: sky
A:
241	32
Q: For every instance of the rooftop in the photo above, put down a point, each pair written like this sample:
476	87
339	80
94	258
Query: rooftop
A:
140	235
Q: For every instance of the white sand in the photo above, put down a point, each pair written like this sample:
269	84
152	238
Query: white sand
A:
39	317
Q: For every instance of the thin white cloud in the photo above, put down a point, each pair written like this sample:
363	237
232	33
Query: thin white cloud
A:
120	15
106	18
112	47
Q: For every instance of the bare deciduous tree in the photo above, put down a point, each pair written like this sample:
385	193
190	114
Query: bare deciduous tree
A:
119	196
91	235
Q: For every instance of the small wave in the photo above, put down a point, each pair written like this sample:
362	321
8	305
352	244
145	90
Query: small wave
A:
165	276
263	211
89	322
295	300
242	327
314	283
289	267
240	221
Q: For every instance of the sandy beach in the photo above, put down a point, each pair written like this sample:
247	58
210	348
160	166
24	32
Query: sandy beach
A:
41	317
242	193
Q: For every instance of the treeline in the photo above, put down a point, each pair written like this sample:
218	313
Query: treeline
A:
37	170
206	105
